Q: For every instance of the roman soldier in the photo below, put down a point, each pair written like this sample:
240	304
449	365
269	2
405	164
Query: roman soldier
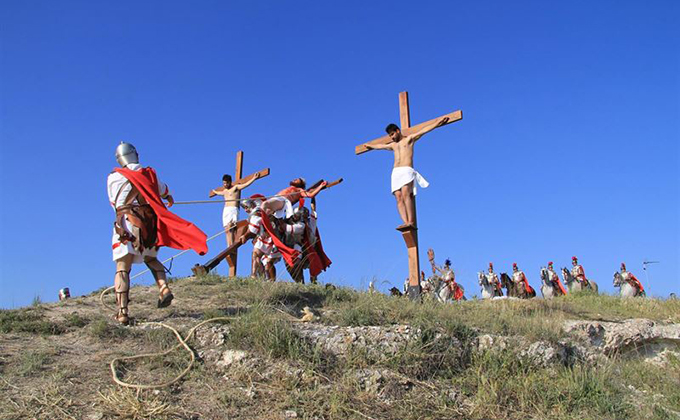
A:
492	278
577	272
295	228
143	224
268	248
555	279
631	279
518	277
447	275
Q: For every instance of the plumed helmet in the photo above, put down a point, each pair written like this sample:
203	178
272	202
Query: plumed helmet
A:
514	265
623	266
490	265
447	262
550	263
574	258
126	154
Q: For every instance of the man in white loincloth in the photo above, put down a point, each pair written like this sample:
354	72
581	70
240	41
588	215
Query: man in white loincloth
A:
403	173
230	192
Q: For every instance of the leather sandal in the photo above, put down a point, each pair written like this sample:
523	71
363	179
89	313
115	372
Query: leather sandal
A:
165	300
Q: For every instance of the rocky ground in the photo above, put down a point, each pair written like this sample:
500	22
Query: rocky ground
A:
363	356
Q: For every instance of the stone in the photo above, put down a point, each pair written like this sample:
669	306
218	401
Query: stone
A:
230	357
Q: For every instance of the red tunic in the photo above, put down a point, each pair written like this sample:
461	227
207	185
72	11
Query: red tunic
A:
173	231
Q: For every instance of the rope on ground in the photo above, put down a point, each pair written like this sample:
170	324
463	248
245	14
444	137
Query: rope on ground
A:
182	343
107	290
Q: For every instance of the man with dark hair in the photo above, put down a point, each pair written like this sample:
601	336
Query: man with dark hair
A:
230	192
403	173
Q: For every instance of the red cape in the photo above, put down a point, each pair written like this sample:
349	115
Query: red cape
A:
527	287
289	254
559	283
457	291
635	279
173	231
318	260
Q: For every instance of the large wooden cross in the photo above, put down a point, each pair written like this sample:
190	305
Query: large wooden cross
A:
239	179
410	234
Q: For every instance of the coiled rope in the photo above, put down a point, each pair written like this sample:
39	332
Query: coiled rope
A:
182	343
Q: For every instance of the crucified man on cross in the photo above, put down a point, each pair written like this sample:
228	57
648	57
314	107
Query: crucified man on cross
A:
403	174
231	194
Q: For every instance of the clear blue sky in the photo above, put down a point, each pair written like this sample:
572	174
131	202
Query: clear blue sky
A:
568	146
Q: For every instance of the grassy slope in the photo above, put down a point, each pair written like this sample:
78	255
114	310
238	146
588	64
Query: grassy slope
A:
54	359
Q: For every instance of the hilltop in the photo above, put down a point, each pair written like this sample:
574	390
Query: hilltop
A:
363	356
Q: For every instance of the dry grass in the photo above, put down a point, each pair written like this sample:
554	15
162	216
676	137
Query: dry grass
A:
428	379
49	401
122	403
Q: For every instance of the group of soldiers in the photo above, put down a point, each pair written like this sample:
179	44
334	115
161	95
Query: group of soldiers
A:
143	224
517	284
291	235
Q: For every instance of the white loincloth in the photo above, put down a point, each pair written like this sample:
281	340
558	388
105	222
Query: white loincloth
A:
286	211
229	216
402	175
120	249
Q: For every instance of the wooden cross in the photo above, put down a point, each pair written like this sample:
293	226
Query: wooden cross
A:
410	234
238	180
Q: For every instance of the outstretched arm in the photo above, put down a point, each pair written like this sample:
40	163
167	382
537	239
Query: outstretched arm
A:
215	192
314	191
379	146
417	135
244	185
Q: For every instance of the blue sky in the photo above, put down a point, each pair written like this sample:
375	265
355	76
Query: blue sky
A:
568	145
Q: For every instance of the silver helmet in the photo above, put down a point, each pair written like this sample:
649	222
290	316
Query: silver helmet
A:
126	154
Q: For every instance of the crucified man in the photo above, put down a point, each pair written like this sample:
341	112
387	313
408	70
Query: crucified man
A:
403	173
230	211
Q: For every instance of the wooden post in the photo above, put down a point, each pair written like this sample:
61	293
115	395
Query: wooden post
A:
232	259
410	233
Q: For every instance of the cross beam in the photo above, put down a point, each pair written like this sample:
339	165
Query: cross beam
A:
239	179
410	233
406	129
